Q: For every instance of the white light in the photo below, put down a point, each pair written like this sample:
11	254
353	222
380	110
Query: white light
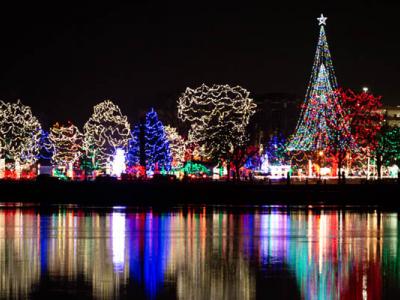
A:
265	163
322	20
118	164
365	89
118	240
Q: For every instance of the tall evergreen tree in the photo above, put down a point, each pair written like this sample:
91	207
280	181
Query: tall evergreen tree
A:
156	145
322	118
149	145
46	148
133	155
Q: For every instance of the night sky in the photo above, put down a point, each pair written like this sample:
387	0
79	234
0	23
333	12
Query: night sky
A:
63	60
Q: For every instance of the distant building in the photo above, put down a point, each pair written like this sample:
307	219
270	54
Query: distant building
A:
392	115
276	112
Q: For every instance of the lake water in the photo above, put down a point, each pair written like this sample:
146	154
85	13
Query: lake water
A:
199	253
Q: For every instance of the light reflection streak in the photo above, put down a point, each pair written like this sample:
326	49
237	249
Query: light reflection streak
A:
118	240
204	253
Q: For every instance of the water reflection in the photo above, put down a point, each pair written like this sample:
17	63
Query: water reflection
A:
200	253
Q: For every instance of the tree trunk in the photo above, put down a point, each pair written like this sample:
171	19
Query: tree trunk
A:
379	165
228	169
237	167
340	161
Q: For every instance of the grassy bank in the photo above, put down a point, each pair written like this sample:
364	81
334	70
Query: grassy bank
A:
176	193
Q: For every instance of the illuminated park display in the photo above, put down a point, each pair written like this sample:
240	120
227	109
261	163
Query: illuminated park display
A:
339	132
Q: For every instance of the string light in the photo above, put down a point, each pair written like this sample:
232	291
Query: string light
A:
118	164
105	131
67	143
46	147
388	147
149	146
218	116
322	122
195	168
275	150
176	146
158	155
20	133
133	155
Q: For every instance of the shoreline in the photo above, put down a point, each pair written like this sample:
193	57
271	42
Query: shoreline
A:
213	193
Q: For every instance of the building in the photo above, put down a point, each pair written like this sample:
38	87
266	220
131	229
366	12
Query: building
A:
276	112
391	115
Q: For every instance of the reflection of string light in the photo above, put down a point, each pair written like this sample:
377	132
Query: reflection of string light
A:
118	240
76	248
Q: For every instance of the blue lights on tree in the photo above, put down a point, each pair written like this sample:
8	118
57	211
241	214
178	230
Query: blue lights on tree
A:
149	145
156	144
276	149
46	148
133	155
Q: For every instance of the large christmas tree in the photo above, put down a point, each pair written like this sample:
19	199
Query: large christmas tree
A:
321	125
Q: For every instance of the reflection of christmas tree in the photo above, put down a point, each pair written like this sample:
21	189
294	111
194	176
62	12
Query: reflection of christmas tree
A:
322	119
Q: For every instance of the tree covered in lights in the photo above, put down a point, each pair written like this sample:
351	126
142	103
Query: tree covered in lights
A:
87	163
243	155
387	150
105	131
135	156
20	133
67	142
322	123
196	168
276	149
149	145
158	154
46	147
176	146
218	117
365	119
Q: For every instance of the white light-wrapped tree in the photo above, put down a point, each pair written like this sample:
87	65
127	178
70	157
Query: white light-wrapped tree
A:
176	146
105	131
218	116
67	143
20	133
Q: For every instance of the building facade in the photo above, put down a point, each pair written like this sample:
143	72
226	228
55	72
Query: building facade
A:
276	112
391	115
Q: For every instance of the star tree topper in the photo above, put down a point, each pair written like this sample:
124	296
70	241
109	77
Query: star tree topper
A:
322	20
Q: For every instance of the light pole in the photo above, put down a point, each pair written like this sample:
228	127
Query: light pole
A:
320	155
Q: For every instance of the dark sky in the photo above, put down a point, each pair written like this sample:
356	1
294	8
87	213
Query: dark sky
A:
62	60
